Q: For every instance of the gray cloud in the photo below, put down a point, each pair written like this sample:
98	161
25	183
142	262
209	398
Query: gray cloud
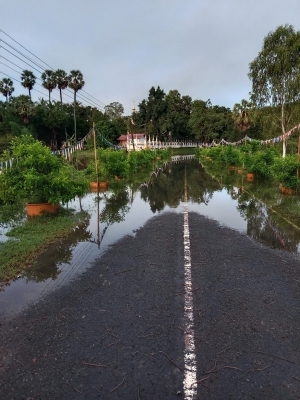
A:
202	48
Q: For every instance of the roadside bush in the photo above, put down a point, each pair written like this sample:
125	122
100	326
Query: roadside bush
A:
261	163
285	171
231	156
38	176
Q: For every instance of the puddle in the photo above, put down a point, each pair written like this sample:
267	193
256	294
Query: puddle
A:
251	208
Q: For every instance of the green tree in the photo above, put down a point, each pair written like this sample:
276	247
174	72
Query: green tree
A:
178	110
75	82
114	110
49	81
61	79
28	80
24	107
242	115
275	75
6	87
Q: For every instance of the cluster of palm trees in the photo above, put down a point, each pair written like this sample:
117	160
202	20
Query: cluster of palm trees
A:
50	80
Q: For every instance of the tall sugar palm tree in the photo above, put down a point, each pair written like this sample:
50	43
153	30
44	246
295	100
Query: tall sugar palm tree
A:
24	107
61	81
75	82
6	87
49	82
28	80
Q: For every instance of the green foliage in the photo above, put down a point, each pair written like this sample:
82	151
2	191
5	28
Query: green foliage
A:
285	171
261	163
117	164
6	87
38	176
28	80
114	110
275	75
231	155
210	122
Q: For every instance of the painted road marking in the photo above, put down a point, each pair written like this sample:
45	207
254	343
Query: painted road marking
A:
190	366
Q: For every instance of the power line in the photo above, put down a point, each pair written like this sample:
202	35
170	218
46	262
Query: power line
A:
55	94
29	59
20	82
98	101
20	58
25	48
79	96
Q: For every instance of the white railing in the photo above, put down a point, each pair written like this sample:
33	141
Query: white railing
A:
155	144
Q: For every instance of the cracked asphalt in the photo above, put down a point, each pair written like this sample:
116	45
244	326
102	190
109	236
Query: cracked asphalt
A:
116	332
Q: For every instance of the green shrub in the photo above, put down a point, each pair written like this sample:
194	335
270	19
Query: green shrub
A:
285	171
231	156
261	163
38	176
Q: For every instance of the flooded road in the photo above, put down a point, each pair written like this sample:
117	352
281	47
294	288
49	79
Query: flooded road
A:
252	208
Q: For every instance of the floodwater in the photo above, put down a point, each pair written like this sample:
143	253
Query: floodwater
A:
253	208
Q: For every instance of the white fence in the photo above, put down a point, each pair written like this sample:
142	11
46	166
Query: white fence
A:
139	144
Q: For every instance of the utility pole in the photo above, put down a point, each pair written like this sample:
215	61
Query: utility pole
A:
95	154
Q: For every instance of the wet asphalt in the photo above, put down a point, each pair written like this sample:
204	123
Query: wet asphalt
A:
117	332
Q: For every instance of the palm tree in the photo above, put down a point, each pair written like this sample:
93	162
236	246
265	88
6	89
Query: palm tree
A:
75	82
6	87
24	107
61	81
241	115
28	80
49	82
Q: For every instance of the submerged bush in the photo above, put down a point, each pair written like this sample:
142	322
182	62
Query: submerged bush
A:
285	171
38	176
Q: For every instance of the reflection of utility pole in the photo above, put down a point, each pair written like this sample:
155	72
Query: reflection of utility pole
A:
95	154
98	217
98	195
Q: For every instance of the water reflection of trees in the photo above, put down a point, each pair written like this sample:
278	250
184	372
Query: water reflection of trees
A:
272	218
167	189
266	226
116	205
47	264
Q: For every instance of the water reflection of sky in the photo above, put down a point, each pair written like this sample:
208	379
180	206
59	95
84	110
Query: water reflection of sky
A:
222	208
80	249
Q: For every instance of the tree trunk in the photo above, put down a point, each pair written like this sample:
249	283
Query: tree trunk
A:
60	98
75	116
283	129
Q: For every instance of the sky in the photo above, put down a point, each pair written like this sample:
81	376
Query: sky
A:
202	48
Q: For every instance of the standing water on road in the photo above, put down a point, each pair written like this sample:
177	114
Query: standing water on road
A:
253	208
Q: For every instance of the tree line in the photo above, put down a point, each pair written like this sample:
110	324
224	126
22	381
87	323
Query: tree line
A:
272	109
54	122
273	106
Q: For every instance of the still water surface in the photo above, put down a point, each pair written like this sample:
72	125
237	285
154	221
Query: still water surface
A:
252	208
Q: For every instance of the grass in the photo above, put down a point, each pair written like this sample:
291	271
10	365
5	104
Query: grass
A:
31	238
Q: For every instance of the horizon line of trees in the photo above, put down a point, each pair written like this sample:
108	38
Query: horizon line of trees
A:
272	109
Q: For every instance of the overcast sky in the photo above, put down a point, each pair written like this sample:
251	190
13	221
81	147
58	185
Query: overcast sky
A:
202	48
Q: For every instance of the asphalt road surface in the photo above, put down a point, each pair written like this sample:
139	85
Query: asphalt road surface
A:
177	311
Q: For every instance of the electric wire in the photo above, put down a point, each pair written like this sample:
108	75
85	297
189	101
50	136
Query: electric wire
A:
29	59
19	58
80	95
25	48
1	72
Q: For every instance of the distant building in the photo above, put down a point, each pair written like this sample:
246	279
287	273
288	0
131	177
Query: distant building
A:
139	140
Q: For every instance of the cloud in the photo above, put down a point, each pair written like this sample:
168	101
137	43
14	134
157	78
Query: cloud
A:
202	48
